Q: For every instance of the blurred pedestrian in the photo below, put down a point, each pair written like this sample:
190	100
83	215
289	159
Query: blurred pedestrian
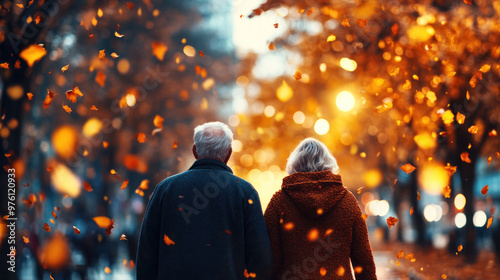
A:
205	223
315	223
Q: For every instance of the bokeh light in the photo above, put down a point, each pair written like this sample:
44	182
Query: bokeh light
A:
348	64
321	126
460	220
460	201
433	212
345	101
299	117
479	219
64	141
433	178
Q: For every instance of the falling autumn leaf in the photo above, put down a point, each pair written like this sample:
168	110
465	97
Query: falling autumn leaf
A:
118	34
485	68
202	54
167	240
473	129
391	221
46	227
67	109
93	108
141	137
174	145
48	99
447	192
322	271
460	118
102	54
30	95
159	50
297	75
345	22
102	221
331	38
394	72
158	121
32	54
411	211
465	157
87	186
271	46
110	227
468	2
77	231
408	168
123	237
52	278
65	68
4	65
26	239
418	195
100	78
460	247
362	22
473	81
124	184
485	189
114	55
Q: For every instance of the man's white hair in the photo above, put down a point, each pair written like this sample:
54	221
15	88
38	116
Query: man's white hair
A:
213	140
311	155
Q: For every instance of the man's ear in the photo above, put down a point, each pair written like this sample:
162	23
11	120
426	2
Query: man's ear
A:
194	152
228	155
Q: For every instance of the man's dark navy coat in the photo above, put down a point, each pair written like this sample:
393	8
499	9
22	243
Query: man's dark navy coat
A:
204	223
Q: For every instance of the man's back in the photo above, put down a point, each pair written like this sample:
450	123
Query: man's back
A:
204	223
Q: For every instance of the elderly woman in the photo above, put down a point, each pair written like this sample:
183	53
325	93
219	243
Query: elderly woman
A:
314	222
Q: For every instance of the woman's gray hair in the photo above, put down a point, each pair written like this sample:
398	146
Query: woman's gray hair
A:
311	155
213	140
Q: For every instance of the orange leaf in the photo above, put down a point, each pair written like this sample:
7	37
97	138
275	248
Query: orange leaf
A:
408	168
65	68
465	157
67	109
48	99
32	54
473	129
322	271
100	78
114	55
447	192
473	81
30	95
391	221
201	53
460	247
297	75
271	46
141	137
485	68
167	240
418	195
400	255
411	211
46	227
110	227
394	72
77	231
102	54
118	34
4	65
144	184
123	237
362	22
310	12
174	146
484	190
159	50
87	186
490	221
102	221
450	169
133	162
54	214
93	108
345	22
124	184
50	274
26	239
158	121
460	118
468	2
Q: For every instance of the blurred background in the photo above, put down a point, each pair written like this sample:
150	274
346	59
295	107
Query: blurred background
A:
99	100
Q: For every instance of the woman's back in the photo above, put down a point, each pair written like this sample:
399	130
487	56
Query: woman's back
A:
315	227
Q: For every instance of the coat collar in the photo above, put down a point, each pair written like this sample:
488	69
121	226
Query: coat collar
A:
207	163
319	176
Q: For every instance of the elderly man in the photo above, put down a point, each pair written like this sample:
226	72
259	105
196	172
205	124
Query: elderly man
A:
205	223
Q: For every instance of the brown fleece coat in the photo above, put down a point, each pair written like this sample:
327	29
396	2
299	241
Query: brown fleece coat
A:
316	229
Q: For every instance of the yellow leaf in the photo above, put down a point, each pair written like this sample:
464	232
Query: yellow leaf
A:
394	72
448	117
67	108
65	68
32	54
485	68
331	38
460	118
473	129
102	54
118	34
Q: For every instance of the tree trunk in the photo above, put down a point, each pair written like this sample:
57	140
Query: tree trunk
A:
418	218
468	177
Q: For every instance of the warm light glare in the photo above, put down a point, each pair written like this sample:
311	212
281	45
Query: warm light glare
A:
460	201
479	219
92	127
460	220
377	208
284	92
372	178
299	117
345	101
130	98
433	178
64	180
269	111
64	141
321	126
433	212
237	146
348	64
